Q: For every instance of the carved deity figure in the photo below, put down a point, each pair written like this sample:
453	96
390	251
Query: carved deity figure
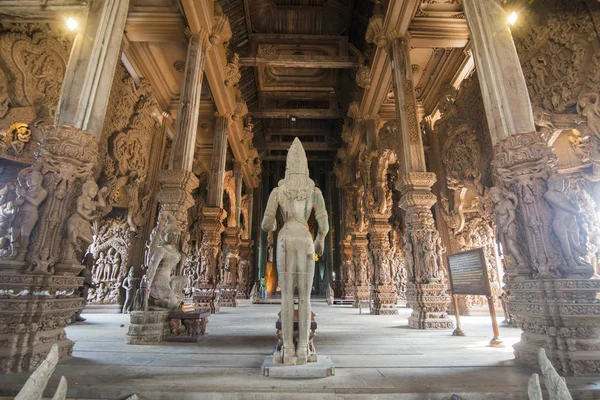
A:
505	212
409	262
166	292
30	194
566	227
589	106
7	215
15	139
129	286
431	272
90	205
296	196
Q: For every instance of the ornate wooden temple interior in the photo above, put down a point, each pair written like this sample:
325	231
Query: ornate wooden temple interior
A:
140	139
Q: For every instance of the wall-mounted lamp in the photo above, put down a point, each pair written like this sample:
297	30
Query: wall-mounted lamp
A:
512	18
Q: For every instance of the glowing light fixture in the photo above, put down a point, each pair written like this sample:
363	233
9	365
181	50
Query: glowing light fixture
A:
72	23
512	18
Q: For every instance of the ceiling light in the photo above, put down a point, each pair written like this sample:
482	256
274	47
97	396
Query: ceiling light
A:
72	23
512	18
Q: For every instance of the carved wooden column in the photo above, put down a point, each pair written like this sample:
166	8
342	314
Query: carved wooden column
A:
347	268
548	290
232	239
426	290
362	289
245	262
68	161
178	182
213	215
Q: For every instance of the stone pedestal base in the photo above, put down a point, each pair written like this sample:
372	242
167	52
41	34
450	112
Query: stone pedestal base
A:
348	292
429	303
187	327
311	344
206	298
228	297
384	300
362	296
322	368
563	317
147	327
34	310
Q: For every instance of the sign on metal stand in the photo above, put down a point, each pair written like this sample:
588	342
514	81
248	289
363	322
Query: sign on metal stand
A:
468	276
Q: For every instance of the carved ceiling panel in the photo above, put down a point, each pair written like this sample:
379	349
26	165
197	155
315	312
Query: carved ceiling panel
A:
300	16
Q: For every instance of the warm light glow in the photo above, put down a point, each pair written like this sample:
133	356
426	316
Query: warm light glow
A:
512	18
72	23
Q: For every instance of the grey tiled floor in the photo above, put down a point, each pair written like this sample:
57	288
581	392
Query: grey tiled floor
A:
375	357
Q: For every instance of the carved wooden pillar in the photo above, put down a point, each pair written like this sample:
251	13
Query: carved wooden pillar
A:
178	182
232	240
245	262
362	293
348	224
547	282
213	215
383	291
68	161
347	269
426	290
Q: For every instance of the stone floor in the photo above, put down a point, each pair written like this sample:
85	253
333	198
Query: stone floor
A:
375	357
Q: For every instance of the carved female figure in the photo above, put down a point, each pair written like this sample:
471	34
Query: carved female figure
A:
129	286
505	212
566	227
166	292
296	196
79	223
30	195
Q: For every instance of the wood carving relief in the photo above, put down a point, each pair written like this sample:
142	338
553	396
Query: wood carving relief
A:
33	61
127	137
110	251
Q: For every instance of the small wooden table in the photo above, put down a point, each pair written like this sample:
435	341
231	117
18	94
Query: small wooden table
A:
187	326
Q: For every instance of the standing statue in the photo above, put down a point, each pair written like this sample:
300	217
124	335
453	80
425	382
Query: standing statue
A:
505	212
30	194
166	292
296	195
141	297
90	205
409	262
566	227
129	286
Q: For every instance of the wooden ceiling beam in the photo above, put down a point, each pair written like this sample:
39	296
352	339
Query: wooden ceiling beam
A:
299	61
308	146
199	15
308	156
296	132
156	27
14	11
298	113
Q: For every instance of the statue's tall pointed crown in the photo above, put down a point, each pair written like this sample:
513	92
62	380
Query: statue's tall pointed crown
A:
296	162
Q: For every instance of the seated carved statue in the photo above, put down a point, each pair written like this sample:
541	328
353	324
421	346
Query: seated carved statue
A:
166	292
